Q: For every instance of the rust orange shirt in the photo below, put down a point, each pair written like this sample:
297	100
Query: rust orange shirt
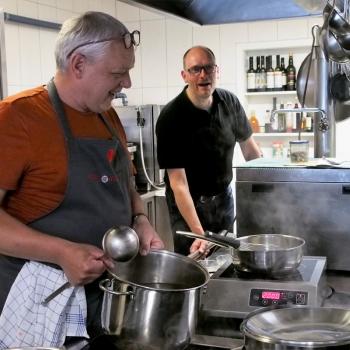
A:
33	156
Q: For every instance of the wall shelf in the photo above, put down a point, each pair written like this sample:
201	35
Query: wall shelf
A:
272	93
282	134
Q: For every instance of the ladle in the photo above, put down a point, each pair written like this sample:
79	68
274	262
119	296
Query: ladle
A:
120	243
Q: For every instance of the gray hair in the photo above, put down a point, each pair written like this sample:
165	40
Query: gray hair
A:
90	26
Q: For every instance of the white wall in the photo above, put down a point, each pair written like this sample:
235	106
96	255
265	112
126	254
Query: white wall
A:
156	76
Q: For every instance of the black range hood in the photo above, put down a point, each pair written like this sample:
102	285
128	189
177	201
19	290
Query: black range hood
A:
231	11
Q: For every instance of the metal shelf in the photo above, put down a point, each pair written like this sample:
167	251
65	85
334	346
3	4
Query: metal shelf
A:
271	93
282	134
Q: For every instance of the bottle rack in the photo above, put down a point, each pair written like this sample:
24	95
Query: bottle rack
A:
262	101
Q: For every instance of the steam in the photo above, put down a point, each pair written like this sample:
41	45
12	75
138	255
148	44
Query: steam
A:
308	211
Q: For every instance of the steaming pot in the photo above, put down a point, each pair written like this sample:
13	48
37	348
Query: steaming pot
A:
152	302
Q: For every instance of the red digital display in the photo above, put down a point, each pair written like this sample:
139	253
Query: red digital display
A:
271	295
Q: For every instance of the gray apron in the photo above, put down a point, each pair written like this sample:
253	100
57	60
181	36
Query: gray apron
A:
96	198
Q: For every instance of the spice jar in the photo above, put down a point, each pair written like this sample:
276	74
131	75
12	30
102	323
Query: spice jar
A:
299	151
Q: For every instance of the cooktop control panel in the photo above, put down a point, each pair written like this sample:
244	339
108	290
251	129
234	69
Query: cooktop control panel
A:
263	297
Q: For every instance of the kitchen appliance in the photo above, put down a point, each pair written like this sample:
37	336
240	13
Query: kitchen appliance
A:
136	120
233	294
311	203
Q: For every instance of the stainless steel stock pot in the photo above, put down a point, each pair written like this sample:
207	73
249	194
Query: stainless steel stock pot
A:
152	301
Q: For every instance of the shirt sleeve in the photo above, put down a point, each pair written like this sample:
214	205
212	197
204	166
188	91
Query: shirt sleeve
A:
243	128
15	147
170	144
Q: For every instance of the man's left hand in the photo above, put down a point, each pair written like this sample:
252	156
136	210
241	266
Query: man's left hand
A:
149	238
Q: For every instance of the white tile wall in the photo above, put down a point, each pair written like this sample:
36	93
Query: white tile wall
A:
47	13
292	29
9	6
30	63
127	13
178	38
153	52
27	8
13	56
164	39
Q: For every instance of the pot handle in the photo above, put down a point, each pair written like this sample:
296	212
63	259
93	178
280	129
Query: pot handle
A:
103	286
213	237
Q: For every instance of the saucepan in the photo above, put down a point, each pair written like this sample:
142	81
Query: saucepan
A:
269	254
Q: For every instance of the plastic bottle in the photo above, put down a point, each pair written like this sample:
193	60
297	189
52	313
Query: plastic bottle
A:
254	122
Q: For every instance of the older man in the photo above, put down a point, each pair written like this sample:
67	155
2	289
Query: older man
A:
65	180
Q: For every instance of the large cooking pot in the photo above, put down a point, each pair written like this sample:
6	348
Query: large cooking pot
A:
152	302
297	328
270	254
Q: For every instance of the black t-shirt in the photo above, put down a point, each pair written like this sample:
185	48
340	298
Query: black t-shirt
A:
201	142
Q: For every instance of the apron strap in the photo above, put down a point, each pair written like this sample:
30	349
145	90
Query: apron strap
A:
59	109
109	126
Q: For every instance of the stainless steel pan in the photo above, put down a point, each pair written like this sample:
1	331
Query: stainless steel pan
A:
297	328
270	254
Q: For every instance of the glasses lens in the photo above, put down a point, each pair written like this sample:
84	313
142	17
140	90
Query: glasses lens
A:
127	40
209	69
135	36
131	39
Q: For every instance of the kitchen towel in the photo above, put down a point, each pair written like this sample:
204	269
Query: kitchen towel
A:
25	322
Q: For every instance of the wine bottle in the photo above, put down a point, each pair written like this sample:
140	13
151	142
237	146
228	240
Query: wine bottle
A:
291	74
251	76
278	75
284	75
274	117
281	120
308	123
270	79
297	119
263	74
258	75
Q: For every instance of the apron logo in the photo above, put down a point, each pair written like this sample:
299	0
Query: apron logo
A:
102	178
111	154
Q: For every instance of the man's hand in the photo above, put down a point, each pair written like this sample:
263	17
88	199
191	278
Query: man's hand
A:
149	238
83	263
200	245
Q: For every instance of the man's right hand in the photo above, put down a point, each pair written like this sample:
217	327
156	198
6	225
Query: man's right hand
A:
200	245
83	263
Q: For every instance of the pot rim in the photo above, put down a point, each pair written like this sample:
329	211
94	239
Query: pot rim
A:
270	339
166	290
300	240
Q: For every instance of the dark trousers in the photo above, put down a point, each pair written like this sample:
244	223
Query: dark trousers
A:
215	213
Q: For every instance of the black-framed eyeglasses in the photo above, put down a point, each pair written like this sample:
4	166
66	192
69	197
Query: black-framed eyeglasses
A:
129	39
208	69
